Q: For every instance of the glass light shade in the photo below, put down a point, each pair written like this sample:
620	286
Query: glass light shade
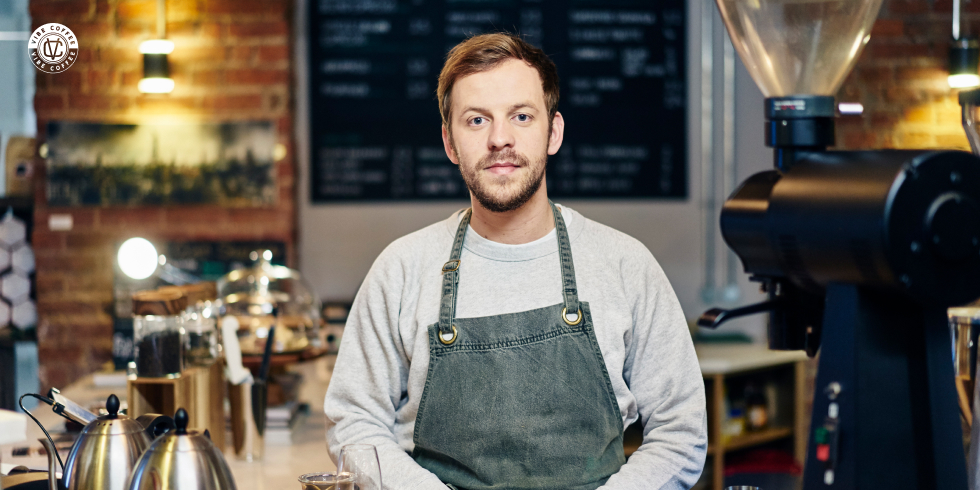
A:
157	46
793	47
137	258
963	80
156	85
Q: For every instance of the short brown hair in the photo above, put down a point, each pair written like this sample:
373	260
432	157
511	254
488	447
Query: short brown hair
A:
486	51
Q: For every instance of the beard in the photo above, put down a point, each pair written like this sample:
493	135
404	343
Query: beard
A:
501	198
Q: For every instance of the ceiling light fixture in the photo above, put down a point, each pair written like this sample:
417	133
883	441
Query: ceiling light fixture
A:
156	68
964	55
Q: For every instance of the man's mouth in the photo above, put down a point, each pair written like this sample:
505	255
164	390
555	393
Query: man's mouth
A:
503	168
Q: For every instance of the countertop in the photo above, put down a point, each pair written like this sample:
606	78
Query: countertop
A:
283	464
279	469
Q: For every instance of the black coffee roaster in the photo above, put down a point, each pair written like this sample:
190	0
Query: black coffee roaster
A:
860	254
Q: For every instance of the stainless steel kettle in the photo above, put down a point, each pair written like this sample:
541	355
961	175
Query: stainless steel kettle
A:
182	460
107	449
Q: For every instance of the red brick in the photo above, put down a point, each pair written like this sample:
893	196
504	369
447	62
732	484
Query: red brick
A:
130	78
212	30
276	53
166	104
178	215
120	53
884	120
912	140
41	239
244	7
136	30
99	80
70	79
43	11
93	32
179	30
89	240
209	53
207	78
256	77
902	95
955	141
908	6
278	28
257	215
234	102
49	282
240	53
183	9
66	263
48	102
96	102
903	51
138	9
888	28
926	74
144	216
91	281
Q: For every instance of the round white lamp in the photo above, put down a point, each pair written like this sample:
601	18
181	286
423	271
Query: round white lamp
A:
138	258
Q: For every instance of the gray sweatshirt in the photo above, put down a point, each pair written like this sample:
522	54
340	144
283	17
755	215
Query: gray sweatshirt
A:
380	372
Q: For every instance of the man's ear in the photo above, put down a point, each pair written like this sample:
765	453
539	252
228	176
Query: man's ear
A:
557	133
447	144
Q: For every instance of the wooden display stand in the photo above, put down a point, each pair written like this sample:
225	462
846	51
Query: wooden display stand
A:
199	390
719	363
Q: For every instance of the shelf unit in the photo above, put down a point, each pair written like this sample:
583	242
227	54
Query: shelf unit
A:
720	363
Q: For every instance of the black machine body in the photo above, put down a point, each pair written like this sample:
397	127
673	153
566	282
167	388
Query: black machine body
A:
860	253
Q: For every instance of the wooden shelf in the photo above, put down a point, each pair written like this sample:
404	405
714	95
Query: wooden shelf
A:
720	365
759	437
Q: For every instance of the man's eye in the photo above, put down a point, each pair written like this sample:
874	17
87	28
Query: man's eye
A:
523	117
476	121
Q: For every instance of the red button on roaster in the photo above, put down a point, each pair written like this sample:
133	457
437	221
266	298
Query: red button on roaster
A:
823	452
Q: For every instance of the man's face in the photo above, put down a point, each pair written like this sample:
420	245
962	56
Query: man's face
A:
500	138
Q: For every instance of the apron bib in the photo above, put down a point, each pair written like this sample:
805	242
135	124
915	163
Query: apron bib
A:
520	400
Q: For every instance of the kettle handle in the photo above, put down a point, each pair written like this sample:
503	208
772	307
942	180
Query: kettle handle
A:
155	425
53	482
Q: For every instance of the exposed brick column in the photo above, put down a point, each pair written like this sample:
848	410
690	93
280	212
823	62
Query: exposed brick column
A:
901	80
231	62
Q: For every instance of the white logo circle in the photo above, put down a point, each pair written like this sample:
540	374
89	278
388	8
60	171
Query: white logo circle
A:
53	48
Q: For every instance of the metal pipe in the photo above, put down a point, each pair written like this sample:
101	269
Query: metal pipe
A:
708	203
731	292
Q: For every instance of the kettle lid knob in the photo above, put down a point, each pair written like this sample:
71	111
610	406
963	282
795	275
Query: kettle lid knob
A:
180	420
112	406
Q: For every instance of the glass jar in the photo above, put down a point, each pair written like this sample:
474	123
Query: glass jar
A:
158	326
201	346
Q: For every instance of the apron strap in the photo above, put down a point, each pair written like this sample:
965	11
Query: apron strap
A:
450	279
570	289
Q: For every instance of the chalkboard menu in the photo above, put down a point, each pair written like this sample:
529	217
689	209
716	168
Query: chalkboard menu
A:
375	121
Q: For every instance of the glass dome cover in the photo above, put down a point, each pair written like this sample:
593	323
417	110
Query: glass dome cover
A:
797	47
264	295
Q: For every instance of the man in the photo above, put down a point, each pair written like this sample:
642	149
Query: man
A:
509	345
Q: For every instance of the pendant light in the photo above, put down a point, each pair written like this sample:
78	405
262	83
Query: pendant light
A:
964	55
156	69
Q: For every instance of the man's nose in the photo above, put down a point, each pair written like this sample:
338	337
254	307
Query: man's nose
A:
501	136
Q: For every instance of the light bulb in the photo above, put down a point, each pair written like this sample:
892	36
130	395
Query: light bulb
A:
157	46
137	258
156	85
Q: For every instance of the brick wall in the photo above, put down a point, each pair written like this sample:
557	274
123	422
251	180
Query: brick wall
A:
231	62
901	79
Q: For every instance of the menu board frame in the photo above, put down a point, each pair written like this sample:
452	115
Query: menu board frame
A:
374	121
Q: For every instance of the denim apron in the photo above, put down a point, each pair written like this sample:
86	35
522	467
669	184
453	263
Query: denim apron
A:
519	400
